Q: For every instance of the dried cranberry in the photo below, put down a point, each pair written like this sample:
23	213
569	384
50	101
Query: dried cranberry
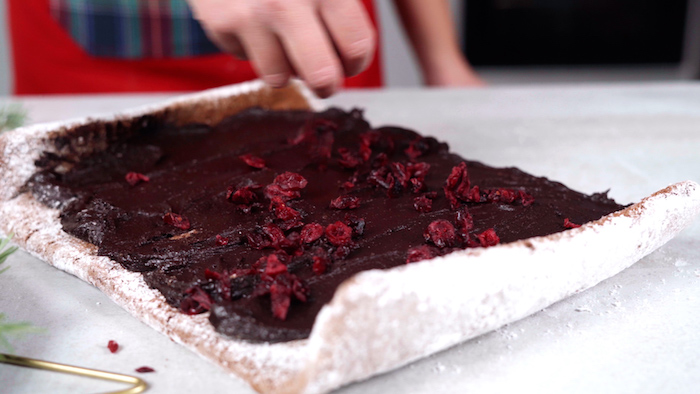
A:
276	236
113	346
221	241
176	220
357	224
441	233
283	212
525	198
348	159
196	301
257	239
457	184
144	369
339	234
134	178
341	252
365	152
474	195
417	148
464	221
345	202
418	170
423	204
253	161
311	232
274	266
321	150
244	195
569	224
280	300
319	265
290	181
488	238
400	174
281	287
286	186
501	195
417	185
419	253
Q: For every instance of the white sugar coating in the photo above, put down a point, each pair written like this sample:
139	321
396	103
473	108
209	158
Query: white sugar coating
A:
378	320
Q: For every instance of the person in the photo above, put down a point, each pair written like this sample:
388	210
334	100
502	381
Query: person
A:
63	46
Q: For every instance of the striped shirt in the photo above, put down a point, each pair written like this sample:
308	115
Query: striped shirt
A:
133	29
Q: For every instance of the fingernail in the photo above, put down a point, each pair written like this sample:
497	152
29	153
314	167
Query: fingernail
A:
276	80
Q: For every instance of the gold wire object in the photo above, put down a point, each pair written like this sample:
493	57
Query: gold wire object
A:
139	385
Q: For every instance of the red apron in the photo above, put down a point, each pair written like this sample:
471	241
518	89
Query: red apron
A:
46	61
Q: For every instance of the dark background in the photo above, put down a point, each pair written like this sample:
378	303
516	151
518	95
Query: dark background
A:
574	32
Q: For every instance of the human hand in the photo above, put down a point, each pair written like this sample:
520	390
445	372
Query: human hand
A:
320	41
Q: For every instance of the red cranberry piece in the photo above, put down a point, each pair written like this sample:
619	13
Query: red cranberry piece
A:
345	202
525	198
464	221
457	184
290	181
113	346
569	224
400	174
348	159
357	224
488	238
274	266
474	195
441	233
319	265
365	152
221	241
417	148
311	232
418	170
321	150
284	212
145	370
176	220
257	239
280	300
244	195
275	235
196	301
339	234
417	185
253	161
423	204
501	195
134	178
419	253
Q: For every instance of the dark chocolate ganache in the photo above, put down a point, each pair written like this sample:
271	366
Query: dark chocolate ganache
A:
258	219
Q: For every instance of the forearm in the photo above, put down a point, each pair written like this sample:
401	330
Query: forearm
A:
433	36
430	29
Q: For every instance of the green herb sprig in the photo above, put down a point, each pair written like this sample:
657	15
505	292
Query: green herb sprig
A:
12	116
8	329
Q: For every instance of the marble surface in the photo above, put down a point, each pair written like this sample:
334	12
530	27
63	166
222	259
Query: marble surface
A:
636	332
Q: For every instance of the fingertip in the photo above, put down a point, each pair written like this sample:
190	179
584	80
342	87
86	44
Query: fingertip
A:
325	81
359	56
278	80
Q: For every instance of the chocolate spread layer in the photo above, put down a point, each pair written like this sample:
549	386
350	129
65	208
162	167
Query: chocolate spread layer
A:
259	218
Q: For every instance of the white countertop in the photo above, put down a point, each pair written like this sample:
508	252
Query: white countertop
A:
638	332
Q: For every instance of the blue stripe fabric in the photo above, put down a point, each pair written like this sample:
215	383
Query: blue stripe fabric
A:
114	28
